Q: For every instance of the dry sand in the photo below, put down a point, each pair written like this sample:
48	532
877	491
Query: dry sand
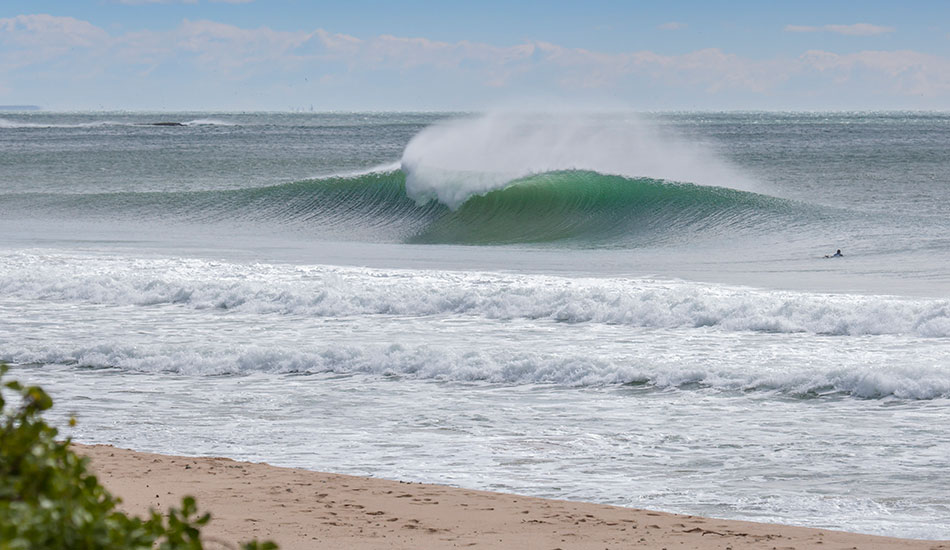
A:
300	509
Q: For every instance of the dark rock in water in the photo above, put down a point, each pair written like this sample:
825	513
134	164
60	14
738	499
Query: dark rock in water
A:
166	124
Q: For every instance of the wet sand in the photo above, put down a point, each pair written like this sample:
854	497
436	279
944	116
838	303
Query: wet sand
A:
302	509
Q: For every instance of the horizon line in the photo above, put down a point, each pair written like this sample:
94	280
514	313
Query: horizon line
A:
7	109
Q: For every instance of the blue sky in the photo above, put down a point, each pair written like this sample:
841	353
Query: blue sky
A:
369	55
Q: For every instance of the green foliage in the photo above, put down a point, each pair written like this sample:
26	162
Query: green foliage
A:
49	500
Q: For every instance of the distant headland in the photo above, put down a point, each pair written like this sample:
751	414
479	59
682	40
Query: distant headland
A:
20	108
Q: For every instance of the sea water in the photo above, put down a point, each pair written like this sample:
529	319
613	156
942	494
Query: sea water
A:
633	309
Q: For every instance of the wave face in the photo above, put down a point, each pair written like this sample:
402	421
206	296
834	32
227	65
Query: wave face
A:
582	208
588	207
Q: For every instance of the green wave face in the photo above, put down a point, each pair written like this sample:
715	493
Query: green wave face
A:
573	208
580	207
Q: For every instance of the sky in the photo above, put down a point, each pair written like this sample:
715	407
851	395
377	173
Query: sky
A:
363	55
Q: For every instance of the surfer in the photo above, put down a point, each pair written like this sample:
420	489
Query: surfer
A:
837	254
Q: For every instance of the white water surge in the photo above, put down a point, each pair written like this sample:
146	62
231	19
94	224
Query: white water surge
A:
458	326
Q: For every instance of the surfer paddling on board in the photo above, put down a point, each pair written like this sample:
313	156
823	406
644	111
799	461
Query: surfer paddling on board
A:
837	254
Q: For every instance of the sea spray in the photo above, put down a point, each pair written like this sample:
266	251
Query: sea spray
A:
454	160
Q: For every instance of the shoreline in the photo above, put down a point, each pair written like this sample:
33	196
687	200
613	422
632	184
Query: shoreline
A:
303	509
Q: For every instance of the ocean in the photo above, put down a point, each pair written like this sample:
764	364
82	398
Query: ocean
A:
627	308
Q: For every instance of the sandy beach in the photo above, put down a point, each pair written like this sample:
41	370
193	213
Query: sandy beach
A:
301	509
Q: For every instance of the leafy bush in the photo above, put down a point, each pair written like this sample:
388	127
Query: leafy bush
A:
49	500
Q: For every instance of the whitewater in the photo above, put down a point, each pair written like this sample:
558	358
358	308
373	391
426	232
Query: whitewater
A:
633	309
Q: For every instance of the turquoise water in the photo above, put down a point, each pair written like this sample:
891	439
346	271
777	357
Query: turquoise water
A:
625	308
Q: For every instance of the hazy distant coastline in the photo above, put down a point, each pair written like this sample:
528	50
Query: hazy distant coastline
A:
20	108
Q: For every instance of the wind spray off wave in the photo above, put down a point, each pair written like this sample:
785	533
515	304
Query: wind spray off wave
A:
452	161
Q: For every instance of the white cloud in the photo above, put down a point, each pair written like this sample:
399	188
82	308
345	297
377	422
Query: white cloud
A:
672	26
902	72
857	29
39	29
801	28
220	54
143	2
31	39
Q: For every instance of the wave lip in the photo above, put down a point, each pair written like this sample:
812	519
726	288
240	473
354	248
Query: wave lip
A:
453	161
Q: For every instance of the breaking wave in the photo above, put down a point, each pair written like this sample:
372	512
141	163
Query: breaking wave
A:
499	365
733	335
580	207
322	291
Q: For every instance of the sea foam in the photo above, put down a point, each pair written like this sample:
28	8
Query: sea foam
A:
503	364
458	326
324	291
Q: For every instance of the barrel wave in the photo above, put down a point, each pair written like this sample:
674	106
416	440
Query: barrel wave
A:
586	207
564	207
